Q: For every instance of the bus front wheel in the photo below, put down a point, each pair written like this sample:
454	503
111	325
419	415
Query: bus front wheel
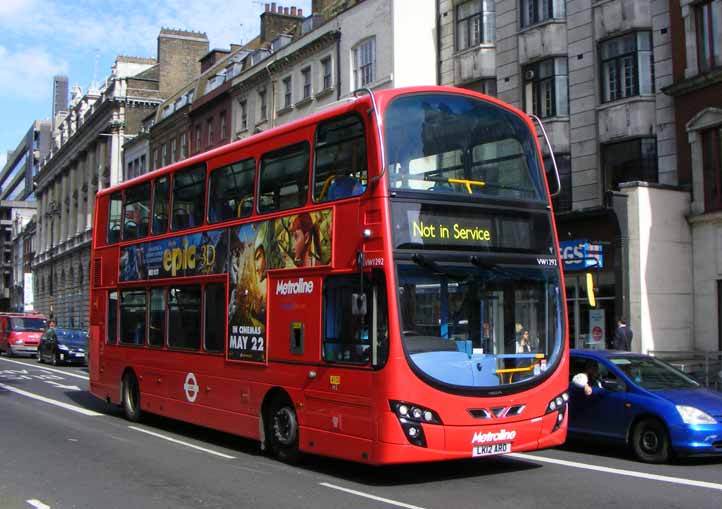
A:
131	398
282	430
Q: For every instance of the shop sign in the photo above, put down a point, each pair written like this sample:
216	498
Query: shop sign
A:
581	255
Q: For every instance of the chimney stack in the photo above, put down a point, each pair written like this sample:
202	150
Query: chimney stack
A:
285	11
273	6
293	11
300	13
268	7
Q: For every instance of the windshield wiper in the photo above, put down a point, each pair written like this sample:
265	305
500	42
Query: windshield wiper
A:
434	267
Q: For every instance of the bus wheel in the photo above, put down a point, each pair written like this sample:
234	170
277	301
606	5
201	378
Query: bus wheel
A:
283	430
131	398
650	442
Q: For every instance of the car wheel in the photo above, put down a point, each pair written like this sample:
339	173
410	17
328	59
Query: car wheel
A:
282	430
131	398
54	359
650	441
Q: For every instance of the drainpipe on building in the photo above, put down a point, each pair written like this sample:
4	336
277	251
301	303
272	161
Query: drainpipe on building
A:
338	65
618	202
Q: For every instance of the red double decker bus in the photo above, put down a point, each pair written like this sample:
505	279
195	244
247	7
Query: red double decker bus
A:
354	284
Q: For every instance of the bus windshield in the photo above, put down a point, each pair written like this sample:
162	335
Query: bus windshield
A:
22	324
480	326
457	144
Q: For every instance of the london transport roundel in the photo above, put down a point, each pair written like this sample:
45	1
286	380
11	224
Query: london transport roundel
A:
191	387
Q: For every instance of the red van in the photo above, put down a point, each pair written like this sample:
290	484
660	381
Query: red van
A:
20	333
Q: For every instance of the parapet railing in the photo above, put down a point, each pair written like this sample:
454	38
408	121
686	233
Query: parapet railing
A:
705	367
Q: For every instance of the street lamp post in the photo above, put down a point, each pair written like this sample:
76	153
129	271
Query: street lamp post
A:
52	212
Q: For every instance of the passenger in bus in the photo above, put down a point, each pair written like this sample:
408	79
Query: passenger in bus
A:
303	232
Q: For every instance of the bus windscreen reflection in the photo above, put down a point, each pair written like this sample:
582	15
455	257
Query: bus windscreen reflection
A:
471	326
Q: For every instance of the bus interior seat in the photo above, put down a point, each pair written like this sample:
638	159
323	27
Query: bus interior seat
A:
160	223
181	219
344	186
143	228
114	233
130	230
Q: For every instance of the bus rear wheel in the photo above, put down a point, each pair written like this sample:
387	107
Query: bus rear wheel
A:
131	398
282	430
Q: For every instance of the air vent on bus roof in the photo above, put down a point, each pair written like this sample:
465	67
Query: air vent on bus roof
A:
98	272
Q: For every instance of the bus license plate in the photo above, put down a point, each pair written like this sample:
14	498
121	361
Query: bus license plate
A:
490	450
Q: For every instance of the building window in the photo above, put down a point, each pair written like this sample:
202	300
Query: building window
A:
712	168
198	138
243	106
326	69
627	66
164	154
484	86
536	11
546	88
629	161
287	95
475	23
209	129
709	34
141	168
156	159
264	105
364	63
172	151
563	201
183	146
223	125
306	75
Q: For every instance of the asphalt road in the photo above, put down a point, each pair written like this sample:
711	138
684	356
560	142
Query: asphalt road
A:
62	448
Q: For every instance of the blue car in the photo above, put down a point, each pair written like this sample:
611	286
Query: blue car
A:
644	403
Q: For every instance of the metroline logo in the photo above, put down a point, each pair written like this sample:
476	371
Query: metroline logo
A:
481	438
292	287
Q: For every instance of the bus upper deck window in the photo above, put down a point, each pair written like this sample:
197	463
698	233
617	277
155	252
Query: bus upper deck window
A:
161	188
341	168
114	216
188	197
137	205
284	178
231	191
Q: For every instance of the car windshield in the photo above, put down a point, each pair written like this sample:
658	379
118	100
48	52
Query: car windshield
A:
653	374
456	144
473	326
21	324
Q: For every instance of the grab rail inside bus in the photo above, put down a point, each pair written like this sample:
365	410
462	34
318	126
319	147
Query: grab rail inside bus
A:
375	109
551	153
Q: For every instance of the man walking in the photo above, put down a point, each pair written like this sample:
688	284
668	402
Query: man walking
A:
623	336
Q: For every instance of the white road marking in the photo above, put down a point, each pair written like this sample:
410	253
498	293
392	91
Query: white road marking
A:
37	504
192	446
618	471
372	497
27	394
61	386
38	366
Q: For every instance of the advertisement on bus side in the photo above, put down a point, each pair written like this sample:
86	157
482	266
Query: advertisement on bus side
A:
301	240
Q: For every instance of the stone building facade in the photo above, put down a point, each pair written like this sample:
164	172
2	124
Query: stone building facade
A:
86	156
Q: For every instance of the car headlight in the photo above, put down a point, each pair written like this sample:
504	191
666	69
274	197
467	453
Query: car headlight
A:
692	415
19	341
63	348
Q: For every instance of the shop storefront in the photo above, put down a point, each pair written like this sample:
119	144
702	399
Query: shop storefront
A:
591	264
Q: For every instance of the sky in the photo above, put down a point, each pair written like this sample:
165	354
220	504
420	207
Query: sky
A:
81	39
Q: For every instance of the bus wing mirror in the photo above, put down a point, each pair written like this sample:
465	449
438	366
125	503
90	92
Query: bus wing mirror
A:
554	187
358	304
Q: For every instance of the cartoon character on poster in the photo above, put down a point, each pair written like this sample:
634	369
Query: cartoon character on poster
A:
247	299
303	240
